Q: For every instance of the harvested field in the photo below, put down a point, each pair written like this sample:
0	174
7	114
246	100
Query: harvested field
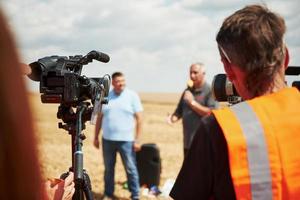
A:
55	143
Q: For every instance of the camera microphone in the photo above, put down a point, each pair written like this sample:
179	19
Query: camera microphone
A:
102	57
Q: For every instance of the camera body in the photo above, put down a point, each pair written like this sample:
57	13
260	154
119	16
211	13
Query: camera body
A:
61	81
224	91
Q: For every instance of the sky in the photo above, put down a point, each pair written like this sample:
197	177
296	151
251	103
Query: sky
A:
153	42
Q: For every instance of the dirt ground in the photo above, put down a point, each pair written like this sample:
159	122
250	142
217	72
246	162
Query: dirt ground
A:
55	143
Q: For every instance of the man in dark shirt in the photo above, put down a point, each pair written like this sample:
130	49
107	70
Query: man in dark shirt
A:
196	101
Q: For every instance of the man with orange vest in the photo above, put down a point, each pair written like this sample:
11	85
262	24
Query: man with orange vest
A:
249	150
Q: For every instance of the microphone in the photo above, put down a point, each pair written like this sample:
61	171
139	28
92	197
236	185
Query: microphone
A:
102	57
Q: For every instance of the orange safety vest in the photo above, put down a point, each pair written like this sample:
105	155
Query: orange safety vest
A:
263	138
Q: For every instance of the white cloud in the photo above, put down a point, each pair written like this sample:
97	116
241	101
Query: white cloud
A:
152	41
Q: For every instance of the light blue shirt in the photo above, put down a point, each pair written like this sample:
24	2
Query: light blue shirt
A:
118	121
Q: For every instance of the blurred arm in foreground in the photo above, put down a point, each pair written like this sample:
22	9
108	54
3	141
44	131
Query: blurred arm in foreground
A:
20	175
98	130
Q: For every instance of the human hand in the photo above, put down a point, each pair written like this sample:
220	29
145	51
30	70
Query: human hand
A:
96	142
136	146
188	96
59	189
169	119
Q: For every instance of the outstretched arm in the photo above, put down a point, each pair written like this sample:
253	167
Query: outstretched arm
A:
177	113
97	130
138	130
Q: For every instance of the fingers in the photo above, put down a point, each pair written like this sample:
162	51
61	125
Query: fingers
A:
59	189
73	189
69	191
136	147
169	119
69	179
68	183
69	187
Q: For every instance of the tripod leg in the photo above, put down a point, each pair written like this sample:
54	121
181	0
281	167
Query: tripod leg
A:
78	195
87	187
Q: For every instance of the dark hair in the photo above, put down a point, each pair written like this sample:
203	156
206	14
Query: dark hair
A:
19	165
253	40
116	74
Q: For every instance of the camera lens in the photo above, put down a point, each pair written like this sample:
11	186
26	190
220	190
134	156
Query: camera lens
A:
219	87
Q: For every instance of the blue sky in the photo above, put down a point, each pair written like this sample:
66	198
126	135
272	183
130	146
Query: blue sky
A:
152	41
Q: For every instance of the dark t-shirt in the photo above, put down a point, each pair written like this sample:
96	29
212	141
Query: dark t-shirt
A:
191	119
205	173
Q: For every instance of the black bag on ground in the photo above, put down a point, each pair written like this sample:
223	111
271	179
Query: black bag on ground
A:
149	165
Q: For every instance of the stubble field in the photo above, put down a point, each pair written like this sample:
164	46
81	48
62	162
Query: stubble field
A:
55	144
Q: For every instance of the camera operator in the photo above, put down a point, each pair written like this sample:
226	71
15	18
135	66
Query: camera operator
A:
19	164
247	151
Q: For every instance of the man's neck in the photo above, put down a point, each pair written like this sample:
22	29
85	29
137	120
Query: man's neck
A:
118	92
278	84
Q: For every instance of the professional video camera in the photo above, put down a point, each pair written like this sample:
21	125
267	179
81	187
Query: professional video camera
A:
61	82
224	91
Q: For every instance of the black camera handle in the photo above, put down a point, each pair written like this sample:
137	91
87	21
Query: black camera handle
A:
74	125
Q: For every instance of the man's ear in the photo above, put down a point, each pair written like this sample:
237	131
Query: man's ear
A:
287	58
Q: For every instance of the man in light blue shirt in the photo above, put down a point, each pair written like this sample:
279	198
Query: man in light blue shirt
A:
121	123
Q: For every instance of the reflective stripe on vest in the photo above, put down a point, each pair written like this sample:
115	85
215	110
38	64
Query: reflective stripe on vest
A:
258	161
263	137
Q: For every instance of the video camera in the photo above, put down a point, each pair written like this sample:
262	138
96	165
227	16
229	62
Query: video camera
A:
224	91
61	81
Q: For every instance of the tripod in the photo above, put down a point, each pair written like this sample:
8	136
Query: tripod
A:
74	124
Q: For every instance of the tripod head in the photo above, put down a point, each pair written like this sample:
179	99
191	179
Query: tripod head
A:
67	114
